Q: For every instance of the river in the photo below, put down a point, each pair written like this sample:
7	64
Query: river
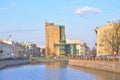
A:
54	71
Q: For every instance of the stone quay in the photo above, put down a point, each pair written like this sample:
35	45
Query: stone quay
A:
105	64
6	63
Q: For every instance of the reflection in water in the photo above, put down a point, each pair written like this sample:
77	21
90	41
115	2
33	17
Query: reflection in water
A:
55	71
101	75
56	64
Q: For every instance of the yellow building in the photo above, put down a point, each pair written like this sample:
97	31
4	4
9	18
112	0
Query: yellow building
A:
55	39
102	33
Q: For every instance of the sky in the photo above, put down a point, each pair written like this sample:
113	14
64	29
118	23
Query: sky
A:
25	20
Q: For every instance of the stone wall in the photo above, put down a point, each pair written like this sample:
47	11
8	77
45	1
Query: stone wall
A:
106	64
6	63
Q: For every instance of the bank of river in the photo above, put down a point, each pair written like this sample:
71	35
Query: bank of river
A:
54	71
7	63
33	60
48	59
106	64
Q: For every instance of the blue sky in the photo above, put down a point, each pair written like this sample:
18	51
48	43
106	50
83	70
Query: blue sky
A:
25	19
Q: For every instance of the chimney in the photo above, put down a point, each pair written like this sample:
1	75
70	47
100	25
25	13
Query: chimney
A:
108	23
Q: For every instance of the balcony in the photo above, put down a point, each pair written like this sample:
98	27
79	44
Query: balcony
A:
62	40
63	49
61	44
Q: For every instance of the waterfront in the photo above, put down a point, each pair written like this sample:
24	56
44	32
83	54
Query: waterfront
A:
106	64
7	63
54	71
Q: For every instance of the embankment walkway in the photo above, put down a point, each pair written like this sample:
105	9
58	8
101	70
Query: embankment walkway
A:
6	63
106	64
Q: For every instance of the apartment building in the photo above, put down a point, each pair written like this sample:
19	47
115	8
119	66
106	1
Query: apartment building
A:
55	39
106	39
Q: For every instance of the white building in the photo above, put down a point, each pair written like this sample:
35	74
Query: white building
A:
6	49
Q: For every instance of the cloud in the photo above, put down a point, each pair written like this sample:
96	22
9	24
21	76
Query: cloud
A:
87	10
13	4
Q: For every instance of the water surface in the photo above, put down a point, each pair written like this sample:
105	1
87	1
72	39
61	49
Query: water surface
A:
54	71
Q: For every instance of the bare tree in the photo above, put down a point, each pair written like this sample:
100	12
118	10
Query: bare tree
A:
111	38
93	52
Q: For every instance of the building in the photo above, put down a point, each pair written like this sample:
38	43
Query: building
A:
77	47
19	50
30	48
55	39
6	49
42	52
37	53
105	34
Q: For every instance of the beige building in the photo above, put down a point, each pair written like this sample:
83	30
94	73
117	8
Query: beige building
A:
19	50
55	39
78	47
102	33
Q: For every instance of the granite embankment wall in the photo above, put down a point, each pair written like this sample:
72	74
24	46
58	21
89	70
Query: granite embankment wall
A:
7	63
106	64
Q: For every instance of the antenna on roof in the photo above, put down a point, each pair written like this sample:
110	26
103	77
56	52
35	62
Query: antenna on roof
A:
9	37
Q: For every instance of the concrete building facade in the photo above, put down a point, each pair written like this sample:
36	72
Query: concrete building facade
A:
102	46
30	48
77	47
55	39
19	51
6	49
